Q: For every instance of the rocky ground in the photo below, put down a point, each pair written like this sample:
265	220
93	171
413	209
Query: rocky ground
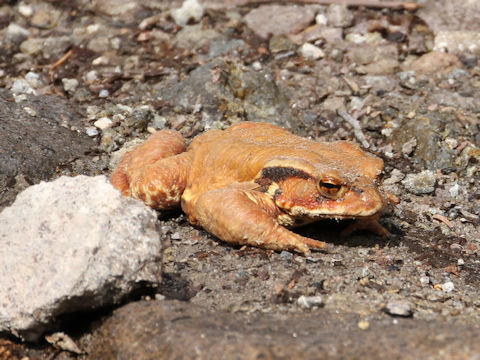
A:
82	81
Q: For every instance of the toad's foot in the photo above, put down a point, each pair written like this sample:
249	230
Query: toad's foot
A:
156	171
246	217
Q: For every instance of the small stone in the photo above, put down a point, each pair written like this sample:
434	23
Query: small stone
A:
176	236
398	308
30	111
15	30
257	65
454	190
321	19
448	286
363	325
311	52
460	262
421	183
409	146
288	19
103	123
307	302
25	10
395	177
32	46
458	42
424	280
92	131
190	10
339	16
22	86
91	77
286	255
103	93
70	85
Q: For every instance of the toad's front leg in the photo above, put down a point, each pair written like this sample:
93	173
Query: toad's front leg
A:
246	217
155	171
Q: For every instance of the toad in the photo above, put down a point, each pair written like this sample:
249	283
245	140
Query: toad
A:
249	183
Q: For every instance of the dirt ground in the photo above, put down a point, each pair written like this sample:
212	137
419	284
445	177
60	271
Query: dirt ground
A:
128	69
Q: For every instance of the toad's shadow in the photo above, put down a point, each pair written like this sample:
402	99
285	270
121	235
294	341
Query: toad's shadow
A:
329	231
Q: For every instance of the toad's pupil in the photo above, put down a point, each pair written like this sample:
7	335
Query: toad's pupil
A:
329	186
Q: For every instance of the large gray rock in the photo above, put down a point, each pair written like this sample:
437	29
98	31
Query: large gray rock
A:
180	330
71	245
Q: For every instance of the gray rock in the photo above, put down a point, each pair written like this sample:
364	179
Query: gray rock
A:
181	330
228	92
32	148
70	245
277	19
421	183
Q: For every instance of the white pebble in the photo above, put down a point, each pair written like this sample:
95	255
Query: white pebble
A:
321	19
103	93
448	286
30	111
103	123
311	52
308	302
91	131
25	10
454	190
16	30
22	86
191	9
69	85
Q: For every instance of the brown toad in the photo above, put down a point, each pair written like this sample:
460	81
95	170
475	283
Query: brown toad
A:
246	184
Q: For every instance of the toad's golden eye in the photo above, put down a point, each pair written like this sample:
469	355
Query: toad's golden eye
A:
329	187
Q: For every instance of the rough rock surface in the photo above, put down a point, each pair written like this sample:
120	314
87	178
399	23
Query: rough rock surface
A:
165	329
34	143
70	245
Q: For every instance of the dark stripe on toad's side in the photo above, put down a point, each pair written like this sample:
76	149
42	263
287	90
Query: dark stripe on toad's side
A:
277	173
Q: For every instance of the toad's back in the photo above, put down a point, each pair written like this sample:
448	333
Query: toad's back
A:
237	154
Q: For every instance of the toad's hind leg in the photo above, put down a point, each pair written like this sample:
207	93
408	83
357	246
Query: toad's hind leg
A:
155	171
246	217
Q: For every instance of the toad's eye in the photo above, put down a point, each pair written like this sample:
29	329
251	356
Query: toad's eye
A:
329	187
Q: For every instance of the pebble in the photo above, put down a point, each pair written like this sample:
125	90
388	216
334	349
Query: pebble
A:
22	86
25	10
190	10
70	85
398	308
103	93
454	190
311	52
91	131
339	16
457	42
321	19
288	19
30	111
15	30
286	255
421	183
363	325
448	286
395	177
103	123
307	302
